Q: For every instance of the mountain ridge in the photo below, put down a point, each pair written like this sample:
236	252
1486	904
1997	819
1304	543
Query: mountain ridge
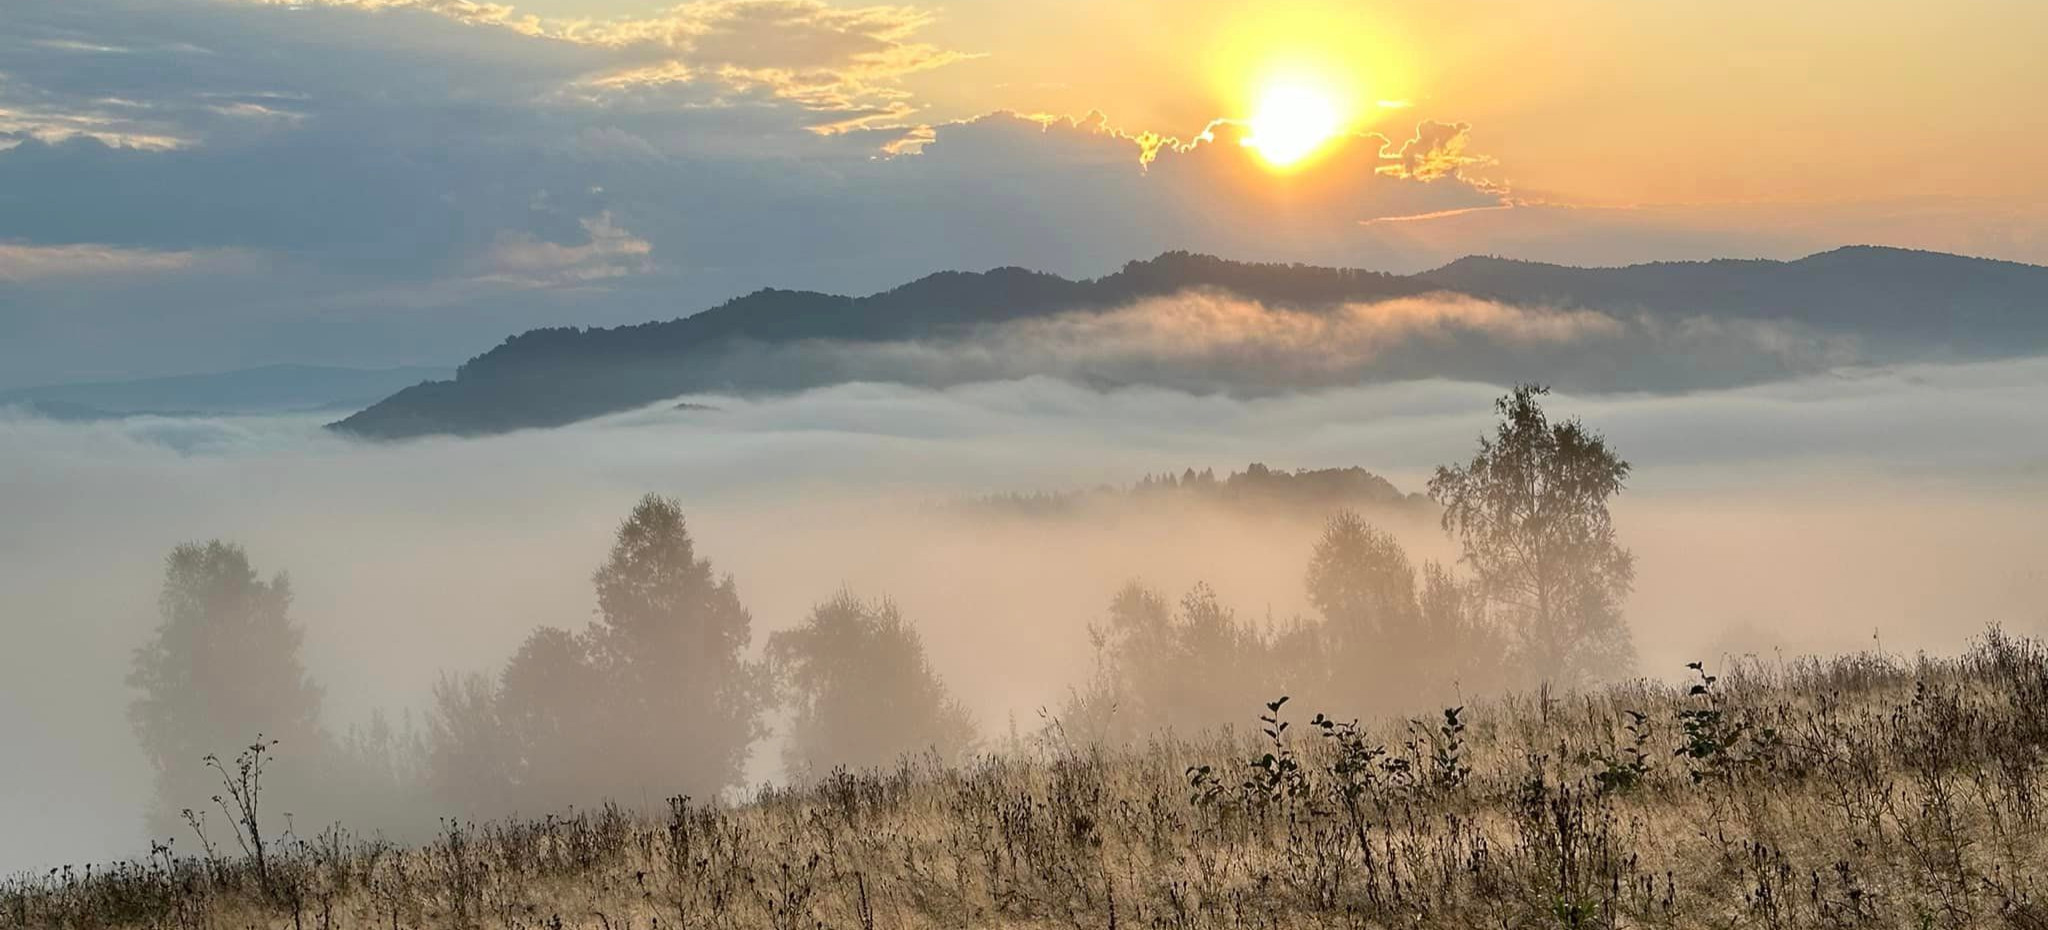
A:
1897	300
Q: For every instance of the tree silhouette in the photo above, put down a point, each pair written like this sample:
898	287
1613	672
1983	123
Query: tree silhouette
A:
221	667
550	703
1390	645
654	698
470	755
862	691
669	643
1190	668
1530	511
1360	580
1464	647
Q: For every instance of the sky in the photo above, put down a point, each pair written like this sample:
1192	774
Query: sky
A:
196	185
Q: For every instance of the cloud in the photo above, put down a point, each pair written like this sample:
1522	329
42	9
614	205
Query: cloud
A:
468	12
1213	342
1082	186
523	260
22	263
1207	341
1198	325
192	72
1436	151
842	64
829	60
110	121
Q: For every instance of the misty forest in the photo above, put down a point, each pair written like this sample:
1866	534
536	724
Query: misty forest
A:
1464	741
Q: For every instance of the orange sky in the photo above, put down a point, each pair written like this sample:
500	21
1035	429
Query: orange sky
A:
1592	102
1609	101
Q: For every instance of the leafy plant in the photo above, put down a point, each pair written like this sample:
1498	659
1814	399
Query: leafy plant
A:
1709	736
1275	775
1630	766
1448	768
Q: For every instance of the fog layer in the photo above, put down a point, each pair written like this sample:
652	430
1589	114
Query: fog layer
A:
1814	514
1199	340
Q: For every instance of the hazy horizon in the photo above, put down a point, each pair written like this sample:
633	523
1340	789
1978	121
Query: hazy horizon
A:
24	380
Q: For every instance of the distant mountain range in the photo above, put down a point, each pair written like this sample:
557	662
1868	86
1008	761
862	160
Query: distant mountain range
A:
1971	305
1677	325
268	389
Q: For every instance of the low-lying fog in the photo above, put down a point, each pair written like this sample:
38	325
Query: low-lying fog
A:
1903	504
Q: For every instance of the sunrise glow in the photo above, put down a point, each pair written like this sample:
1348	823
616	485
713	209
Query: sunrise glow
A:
1292	121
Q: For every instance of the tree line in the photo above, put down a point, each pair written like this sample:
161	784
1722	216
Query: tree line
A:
662	693
1257	488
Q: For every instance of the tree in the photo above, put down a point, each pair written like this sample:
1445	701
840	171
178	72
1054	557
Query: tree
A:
550	704
221	668
1135	649
1217	660
469	751
669	642
1465	647
543	735
1530	512
1158	667
654	698
1388	643
376	778
1360	580
862	691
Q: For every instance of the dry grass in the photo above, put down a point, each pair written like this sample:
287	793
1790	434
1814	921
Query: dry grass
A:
1855	792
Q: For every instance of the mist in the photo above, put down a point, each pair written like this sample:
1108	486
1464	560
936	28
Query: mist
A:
1206	340
1898	505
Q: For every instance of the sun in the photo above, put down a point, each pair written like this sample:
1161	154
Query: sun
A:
1292	120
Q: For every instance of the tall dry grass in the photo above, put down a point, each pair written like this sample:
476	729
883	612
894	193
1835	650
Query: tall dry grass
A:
1861	791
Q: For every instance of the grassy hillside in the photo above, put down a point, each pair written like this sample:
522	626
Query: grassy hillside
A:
1860	791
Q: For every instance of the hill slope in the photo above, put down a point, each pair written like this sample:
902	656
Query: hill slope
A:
1860	791
1970	304
1898	304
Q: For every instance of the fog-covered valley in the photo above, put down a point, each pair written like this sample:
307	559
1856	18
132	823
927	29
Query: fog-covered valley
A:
1898	507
